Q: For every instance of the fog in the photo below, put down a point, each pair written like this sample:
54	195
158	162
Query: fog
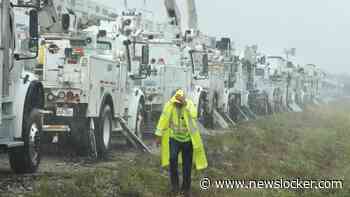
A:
318	29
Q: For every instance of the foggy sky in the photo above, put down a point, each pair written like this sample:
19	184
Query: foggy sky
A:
318	29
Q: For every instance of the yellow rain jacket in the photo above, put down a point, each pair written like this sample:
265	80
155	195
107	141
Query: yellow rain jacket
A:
169	121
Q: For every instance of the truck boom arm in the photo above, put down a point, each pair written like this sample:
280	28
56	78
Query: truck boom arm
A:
62	16
184	16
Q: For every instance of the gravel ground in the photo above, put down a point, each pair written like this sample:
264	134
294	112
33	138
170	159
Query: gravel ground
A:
55	165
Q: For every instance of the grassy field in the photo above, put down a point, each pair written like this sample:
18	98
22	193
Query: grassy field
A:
309	145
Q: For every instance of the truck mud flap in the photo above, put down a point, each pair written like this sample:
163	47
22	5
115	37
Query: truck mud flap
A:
136	142
240	110
294	107
227	118
249	112
220	120
321	101
317	101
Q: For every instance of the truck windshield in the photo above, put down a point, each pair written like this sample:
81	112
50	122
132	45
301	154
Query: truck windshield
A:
163	53
275	62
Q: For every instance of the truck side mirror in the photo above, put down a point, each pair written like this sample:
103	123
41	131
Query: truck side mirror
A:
65	21
34	36
145	55
126	43
33	24
205	65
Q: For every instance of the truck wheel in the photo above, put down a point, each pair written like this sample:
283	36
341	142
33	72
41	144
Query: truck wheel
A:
211	124
80	136
269	106
104	130
203	115
92	148
140	115
201	111
26	159
234	104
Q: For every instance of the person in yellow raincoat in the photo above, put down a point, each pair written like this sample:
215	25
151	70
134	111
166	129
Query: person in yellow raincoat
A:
177	132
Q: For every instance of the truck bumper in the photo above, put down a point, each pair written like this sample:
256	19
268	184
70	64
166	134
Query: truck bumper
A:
53	123
8	143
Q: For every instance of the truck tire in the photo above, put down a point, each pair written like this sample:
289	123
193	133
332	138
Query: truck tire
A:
140	115
80	136
104	131
202	111
234	104
211	121
92	149
26	159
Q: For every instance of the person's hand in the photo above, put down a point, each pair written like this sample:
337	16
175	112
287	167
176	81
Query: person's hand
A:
182	99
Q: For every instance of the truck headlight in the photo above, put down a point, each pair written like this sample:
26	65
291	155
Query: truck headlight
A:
50	97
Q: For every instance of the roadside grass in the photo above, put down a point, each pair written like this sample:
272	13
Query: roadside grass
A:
313	145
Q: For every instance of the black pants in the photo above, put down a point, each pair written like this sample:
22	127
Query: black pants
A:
187	154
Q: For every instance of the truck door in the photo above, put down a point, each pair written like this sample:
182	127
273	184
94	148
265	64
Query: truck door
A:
122	84
9	50
5	40
120	88
2	50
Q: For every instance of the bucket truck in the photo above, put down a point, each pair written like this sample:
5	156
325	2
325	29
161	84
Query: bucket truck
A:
311	83
221	70
202	53
22	95
264	96
289	82
287	91
277	76
165	71
293	87
239	81
169	58
88	76
248	60
170	61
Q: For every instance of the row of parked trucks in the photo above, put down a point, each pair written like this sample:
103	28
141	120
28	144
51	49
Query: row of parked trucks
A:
74	69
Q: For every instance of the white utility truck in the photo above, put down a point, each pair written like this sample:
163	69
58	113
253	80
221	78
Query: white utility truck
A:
88	77
22	95
201	51
311	83
166	70
279	82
